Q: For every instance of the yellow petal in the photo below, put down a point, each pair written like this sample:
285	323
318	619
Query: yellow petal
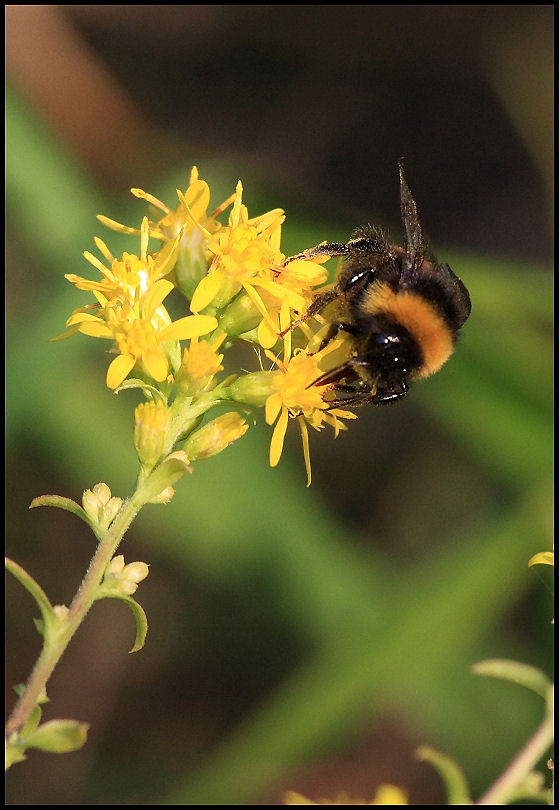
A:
79	316
296	300
284	324
68	333
115	226
155	296
156	363
144	239
272	408
197	197
259	303
95	262
306	448
167	257
143	195
276	445
189	327
96	328
119	369
267	337
102	299
542	558
206	291
102	247
83	283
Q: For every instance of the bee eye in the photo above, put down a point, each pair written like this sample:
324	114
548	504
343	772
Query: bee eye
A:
392	353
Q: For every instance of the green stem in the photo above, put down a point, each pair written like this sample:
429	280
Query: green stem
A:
185	413
84	598
507	785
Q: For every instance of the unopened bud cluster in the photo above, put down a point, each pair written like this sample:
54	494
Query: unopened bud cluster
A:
123	578
100	506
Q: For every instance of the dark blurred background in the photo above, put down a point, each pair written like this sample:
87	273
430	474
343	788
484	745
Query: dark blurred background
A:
306	640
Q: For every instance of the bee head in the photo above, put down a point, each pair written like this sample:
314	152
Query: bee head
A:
390	354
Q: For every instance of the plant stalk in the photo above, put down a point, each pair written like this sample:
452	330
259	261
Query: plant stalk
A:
84	598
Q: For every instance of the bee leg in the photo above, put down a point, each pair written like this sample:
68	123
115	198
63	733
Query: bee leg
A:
367	389
322	300
318	304
392	396
358	393
339	373
324	249
364	398
349	280
333	329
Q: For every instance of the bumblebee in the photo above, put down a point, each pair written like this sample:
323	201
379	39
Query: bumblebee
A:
400	309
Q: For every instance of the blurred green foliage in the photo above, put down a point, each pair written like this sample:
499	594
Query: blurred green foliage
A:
367	632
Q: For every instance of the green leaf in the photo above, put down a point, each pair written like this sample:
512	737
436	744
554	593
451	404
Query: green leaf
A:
139	616
164	476
450	772
14	753
68	505
59	736
524	674
36	592
32	722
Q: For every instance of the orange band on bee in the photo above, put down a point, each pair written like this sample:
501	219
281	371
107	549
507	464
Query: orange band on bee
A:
419	317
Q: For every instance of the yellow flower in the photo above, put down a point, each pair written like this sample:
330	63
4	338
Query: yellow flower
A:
247	255
292	282
190	224
295	396
200	364
140	331
127	276
240	251
192	209
386	794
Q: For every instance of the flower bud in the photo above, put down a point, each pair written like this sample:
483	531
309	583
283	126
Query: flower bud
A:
108	513
150	424
254	388
192	264
124	578
215	436
94	499
61	612
241	315
100	506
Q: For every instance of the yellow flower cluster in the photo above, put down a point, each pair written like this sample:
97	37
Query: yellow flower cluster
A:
238	285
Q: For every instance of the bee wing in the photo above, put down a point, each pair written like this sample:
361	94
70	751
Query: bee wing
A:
413	239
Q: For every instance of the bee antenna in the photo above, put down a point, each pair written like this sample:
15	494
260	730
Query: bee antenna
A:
412	229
